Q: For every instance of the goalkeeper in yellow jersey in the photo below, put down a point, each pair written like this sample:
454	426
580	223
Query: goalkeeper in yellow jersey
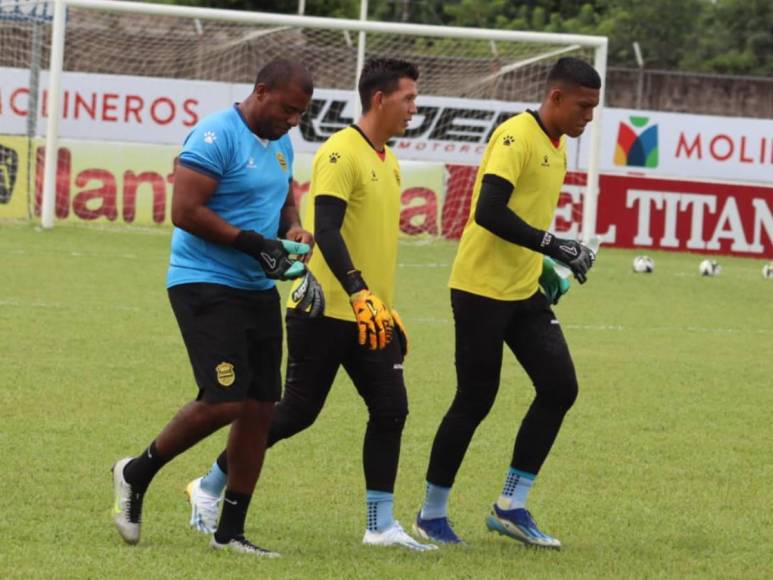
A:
503	258
354	204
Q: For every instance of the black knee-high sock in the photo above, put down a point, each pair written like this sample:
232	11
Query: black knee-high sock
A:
140	471
232	517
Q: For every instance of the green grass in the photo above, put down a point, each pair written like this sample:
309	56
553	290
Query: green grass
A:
663	467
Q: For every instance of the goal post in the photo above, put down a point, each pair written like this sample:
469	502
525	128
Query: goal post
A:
471	79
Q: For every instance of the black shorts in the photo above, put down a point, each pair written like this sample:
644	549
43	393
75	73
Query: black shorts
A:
234	340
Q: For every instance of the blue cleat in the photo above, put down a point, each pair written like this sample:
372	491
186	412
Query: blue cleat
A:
435	530
519	525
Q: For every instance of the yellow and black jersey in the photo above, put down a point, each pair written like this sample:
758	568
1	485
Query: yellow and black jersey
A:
347	166
522	153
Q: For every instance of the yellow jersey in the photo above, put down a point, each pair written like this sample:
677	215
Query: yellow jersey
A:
522	153
347	166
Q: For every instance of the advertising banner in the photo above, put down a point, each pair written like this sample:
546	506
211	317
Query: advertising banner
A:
445	130
681	215
132	183
658	214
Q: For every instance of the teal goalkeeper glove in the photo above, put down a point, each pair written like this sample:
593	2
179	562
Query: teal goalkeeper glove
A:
274	256
553	285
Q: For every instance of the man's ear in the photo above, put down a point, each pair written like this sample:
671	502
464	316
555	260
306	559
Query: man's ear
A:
377	99
555	96
261	91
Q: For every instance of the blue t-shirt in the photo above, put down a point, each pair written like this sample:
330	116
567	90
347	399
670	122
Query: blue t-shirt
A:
253	182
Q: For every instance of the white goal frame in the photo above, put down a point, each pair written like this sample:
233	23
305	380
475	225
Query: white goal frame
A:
597	43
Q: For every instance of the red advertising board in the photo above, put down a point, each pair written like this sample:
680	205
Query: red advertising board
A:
680	215
643	212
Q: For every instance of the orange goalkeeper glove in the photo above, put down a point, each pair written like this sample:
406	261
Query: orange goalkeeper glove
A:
374	320
402	334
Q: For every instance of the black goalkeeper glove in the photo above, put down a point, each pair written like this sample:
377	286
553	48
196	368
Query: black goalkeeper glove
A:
572	254
308	297
273	255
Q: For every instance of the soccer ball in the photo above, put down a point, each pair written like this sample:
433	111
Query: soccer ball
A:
767	271
643	264
709	268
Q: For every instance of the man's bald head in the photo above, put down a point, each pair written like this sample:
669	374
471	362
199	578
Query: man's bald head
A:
281	71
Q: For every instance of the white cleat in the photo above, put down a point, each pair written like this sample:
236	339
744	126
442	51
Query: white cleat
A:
204	507
395	535
242	545
127	506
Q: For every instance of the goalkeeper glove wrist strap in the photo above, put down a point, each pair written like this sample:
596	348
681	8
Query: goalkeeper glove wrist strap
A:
556	248
354	283
249	242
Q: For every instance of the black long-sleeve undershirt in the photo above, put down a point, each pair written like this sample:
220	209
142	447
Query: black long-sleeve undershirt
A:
492	213
329	214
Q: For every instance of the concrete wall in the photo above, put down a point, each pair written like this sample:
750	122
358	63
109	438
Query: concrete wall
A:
724	95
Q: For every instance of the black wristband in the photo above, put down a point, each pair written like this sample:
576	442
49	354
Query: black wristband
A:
353	282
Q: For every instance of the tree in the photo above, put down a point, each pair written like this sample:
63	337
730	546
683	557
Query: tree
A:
725	36
736	37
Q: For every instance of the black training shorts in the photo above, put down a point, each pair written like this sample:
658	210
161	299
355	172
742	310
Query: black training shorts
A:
234	340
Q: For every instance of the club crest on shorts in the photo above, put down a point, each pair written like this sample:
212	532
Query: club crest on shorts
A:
225	374
282	161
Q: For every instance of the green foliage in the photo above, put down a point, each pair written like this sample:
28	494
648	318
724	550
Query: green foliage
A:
739	38
723	36
662	468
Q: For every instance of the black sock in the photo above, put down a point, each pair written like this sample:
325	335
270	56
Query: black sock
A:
222	461
232	517
140	471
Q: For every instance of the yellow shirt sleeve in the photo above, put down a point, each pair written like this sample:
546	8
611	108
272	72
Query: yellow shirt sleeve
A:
508	157
335	173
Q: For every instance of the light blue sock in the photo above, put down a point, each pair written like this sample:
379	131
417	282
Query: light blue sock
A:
435	502
214	482
516	489
379	510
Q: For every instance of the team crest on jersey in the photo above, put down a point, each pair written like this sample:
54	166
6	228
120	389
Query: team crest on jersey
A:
334	157
508	140
282	161
373	176
545	161
209	137
397	177
225	374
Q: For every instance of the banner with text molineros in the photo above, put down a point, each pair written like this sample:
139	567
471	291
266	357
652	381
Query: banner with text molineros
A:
445	130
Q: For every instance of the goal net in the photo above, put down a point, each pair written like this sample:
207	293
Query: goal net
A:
135	77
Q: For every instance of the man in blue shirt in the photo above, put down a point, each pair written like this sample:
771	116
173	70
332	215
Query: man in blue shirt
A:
232	199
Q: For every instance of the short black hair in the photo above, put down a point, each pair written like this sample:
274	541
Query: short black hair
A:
281	71
574	71
383	74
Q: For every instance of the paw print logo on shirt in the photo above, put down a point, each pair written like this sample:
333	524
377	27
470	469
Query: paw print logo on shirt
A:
508	140
334	157
209	137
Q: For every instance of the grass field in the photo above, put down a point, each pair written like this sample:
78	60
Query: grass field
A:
664	468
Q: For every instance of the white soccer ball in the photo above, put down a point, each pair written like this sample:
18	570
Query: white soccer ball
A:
709	268
767	271
643	265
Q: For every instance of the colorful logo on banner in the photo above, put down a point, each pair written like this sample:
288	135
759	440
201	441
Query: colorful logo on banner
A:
637	145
